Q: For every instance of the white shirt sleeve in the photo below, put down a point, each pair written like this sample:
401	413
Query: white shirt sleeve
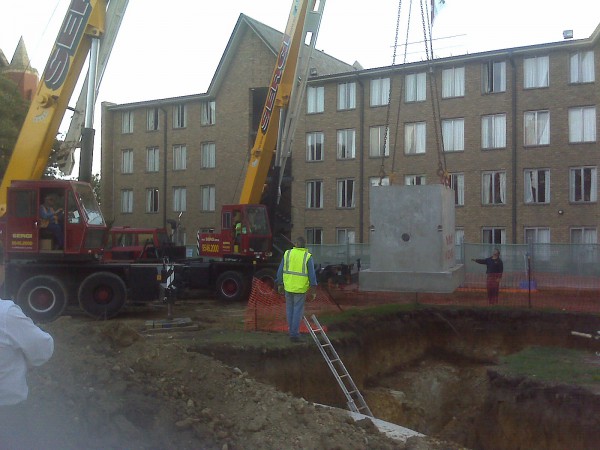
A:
37	345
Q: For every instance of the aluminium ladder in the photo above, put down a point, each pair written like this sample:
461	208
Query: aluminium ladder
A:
354	398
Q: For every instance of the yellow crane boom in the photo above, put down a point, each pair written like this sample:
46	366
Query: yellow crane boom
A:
85	19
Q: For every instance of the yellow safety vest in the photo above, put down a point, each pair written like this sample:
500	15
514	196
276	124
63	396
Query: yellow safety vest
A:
295	270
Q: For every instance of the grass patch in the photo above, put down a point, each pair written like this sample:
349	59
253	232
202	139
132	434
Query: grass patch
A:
380	310
554	365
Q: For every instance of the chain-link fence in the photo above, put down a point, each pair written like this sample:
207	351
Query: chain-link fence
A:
556	276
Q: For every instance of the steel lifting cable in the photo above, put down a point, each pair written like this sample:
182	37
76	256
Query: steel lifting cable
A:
387	117
401	87
435	105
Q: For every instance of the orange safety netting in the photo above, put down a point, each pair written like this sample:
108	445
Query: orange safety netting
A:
266	308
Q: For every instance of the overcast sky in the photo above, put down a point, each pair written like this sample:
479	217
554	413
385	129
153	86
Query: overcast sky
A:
172	48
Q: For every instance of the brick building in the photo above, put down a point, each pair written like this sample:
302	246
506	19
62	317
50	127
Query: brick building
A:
20	71
515	128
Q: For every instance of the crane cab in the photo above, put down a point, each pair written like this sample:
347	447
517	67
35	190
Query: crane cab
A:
52	217
245	234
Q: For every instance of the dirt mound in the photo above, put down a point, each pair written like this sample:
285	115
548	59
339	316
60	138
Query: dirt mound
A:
111	386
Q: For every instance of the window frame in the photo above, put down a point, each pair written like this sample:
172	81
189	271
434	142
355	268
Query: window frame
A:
532	67
497	188
489	72
532	118
342	152
315	99
208	112
492	125
584	130
534	194
152	159
577	75
415	87
179	157
494	233
314	235
152	200
211	191
381	134
346	193
179	199
346	96
453	82
379	91
208	155
457	128
127	122
127	161
315	152
418	131
593	181
457	179
179	116
127	201
314	194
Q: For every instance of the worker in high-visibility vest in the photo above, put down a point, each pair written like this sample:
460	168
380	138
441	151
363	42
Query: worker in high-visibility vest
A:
296	277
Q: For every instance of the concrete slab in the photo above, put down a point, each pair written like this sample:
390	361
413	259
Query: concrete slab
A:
412	240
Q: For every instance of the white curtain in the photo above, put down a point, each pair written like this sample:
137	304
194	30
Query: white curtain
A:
453	82
486	188
582	67
536	72
502	188
531	180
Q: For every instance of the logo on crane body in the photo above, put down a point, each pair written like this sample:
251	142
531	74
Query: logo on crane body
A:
66	43
275	82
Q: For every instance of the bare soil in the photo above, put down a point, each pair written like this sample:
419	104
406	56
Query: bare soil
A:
118	384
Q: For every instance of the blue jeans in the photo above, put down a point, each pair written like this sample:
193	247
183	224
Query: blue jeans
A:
294	308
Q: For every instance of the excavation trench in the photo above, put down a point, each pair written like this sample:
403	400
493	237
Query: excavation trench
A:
439	372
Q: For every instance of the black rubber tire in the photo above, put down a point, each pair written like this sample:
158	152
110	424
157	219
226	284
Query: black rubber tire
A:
102	295
231	286
268	277
42	298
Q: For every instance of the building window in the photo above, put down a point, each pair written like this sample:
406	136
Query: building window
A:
414	138
152	119
459	236
179	157
379	141
127	122
582	67
127	201
493	188
179	199
346	148
453	135
179	116
314	194
537	186
207	155
537	128
536	72
127	161
583	184
315	99
314	236
583	235
453	82
314	146
582	124
493	77
416	87
537	235
346	96
493	235
208	113
152	159
152	200
345	193
415	180
380	91
207	194
493	131
345	236
379	181
457	182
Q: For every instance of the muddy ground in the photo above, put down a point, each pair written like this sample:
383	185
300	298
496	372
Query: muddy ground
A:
118	384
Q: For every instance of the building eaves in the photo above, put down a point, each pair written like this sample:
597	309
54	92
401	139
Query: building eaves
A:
576	44
157	103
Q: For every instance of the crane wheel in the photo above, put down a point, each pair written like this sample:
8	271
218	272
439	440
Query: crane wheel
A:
268	277
42	298
102	295
231	286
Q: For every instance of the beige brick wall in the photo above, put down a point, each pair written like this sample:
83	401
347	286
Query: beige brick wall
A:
252	67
